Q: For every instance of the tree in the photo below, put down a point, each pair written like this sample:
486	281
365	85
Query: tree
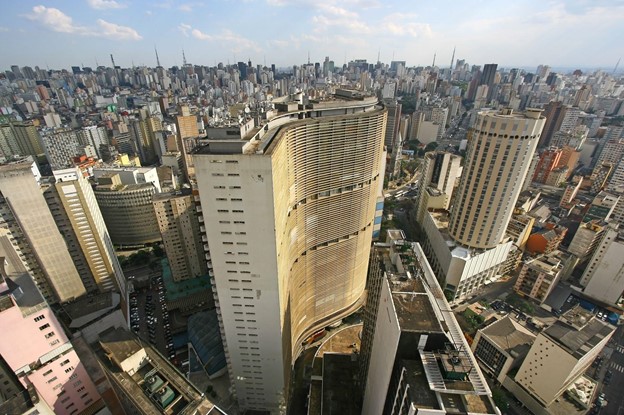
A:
500	398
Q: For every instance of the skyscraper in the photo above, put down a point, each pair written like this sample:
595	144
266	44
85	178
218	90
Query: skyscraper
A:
36	240
497	160
289	215
78	217
487	78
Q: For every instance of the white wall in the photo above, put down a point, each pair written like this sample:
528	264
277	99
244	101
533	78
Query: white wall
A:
253	326
383	352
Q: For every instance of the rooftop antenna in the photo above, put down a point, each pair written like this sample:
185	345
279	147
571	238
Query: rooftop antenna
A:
378	55
157	59
434	56
308	57
113	61
183	58
616	66
96	63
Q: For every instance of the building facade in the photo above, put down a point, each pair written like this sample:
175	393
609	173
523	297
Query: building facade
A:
289	217
497	161
36	239
180	229
77	215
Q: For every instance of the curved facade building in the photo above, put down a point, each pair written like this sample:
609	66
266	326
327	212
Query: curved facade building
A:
289	215
128	211
498	157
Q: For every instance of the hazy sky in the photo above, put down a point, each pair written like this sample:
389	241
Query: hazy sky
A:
59	34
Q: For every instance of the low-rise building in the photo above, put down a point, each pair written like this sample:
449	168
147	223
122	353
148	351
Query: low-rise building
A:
502	346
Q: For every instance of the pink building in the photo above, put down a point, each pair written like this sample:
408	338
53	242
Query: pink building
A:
37	350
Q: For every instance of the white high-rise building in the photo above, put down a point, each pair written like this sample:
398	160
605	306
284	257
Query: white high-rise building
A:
497	160
468	247
289	215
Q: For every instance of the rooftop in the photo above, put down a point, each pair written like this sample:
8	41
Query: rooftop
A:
156	386
578	331
508	334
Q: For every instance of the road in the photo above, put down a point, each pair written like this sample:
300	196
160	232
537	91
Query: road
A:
615	363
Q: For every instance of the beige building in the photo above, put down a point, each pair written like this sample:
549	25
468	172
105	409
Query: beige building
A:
497	161
34	235
127	211
561	354
502	346
180	230
78	217
289	214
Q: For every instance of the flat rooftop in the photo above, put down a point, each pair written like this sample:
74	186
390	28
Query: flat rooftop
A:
577	333
508	334
415	312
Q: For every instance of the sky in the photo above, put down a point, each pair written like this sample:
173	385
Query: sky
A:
523	33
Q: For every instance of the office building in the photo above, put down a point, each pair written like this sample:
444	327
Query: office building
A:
289	216
559	356
497	161
603	278
77	215
35	238
538	276
487	78
37	352
180	229
417	358
439	174
502	346
128	211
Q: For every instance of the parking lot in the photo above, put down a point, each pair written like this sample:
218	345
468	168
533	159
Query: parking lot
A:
149	317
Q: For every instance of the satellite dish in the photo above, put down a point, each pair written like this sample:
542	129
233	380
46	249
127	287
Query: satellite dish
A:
247	110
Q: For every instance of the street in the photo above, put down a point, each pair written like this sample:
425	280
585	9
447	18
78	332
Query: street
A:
615	364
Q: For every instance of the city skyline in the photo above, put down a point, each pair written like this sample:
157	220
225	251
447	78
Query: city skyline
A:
286	32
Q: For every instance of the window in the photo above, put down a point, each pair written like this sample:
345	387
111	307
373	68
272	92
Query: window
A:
39	317
50	334
45	326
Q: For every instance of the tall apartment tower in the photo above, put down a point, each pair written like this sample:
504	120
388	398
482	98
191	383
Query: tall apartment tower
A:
36	239
289	214
497	160
78	217
180	230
